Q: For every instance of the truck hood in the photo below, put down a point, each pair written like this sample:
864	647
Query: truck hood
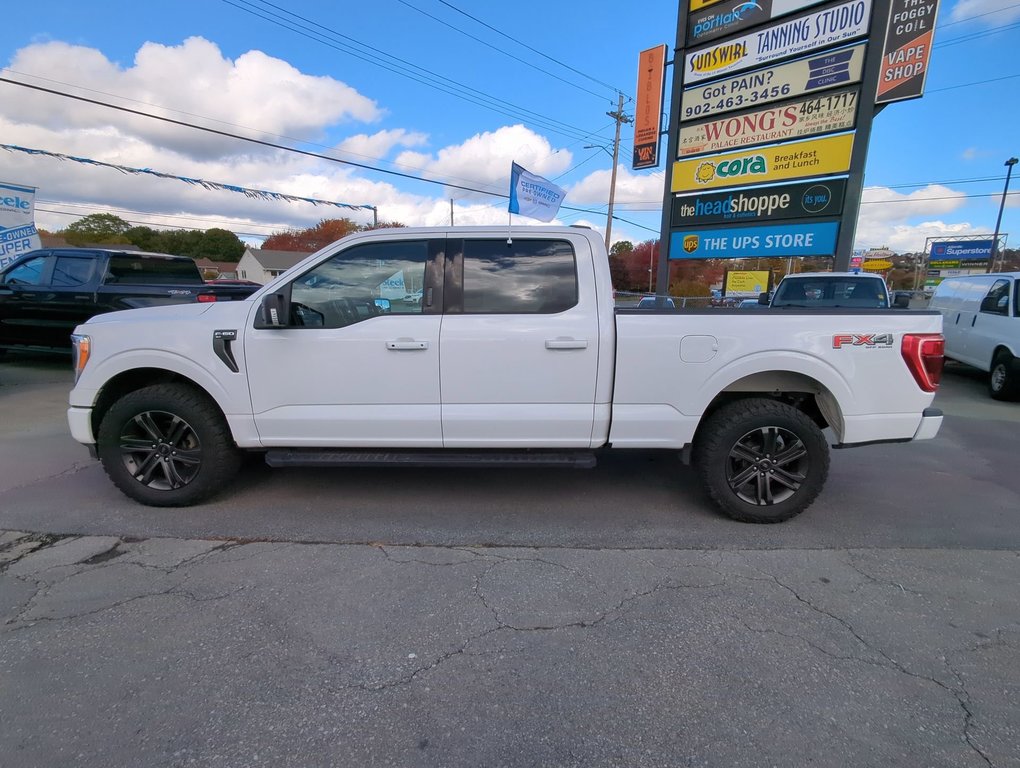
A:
167	314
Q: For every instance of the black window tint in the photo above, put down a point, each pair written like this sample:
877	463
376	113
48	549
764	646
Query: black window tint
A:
522	277
29	273
361	282
996	301
134	269
69	272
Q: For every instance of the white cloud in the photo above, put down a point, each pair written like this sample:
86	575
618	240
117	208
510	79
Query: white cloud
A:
379	144
993	13
639	192
484	159
193	79
885	217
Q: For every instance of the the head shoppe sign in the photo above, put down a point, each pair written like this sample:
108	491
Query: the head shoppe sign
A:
806	199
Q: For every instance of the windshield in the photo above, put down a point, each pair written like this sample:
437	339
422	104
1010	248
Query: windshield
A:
831	291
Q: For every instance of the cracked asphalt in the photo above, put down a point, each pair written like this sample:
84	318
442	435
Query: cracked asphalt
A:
608	618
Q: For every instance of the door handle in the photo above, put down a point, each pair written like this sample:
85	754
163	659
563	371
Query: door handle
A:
973	321
566	344
406	344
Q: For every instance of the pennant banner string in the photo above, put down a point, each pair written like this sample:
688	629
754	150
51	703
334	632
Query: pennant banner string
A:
260	194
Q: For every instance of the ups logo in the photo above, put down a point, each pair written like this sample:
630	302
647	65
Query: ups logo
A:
690	243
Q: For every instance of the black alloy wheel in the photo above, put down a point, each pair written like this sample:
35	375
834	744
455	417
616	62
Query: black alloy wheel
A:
167	445
761	460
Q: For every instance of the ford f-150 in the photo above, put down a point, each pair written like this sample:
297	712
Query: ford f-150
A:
512	352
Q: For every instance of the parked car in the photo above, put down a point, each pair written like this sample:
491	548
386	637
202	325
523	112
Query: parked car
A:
816	290
749	304
651	302
981	321
45	294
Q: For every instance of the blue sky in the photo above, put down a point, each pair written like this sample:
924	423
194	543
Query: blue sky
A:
529	81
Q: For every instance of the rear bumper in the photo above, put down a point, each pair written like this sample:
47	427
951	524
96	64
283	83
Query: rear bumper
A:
931	421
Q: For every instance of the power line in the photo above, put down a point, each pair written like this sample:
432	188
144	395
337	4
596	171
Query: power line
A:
239	137
149	223
224	122
261	142
495	48
401	67
975	35
968	85
533	50
110	209
977	16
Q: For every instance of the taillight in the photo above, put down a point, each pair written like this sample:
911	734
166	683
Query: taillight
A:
924	354
206	297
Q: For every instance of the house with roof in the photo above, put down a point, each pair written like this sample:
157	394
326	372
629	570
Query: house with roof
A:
261	266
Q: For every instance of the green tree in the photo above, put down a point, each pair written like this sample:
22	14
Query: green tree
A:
96	228
219	245
146	238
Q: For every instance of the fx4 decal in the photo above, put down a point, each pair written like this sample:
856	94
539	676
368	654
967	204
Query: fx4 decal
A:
868	340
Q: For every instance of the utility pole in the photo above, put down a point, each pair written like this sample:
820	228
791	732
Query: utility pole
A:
620	118
998	222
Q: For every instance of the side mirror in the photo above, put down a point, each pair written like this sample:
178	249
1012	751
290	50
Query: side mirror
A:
383	305
274	312
901	301
763	298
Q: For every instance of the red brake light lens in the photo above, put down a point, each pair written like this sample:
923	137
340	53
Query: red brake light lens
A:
206	297
924	354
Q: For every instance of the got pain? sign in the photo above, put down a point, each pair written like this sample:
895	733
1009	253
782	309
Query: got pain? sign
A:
782	241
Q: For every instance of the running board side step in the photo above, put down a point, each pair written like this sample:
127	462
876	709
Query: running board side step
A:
325	457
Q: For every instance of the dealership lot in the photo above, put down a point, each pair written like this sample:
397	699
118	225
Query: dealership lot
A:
504	617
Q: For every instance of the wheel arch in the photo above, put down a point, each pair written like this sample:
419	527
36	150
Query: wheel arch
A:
134	379
808	383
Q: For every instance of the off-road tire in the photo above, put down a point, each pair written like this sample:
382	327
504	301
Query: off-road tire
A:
761	460
167	445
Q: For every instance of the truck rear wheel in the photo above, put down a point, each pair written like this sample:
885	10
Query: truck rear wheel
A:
167	446
760	460
1003	381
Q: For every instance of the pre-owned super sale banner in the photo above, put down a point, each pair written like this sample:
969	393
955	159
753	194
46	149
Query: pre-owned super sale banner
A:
796	78
796	160
828	113
833	25
18	234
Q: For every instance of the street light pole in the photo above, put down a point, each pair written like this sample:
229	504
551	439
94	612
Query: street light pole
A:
998	221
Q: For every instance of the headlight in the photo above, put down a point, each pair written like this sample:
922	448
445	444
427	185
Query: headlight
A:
82	346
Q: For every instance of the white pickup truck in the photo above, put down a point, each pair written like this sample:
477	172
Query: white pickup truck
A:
466	346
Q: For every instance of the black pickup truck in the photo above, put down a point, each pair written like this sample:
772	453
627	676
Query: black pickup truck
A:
45	294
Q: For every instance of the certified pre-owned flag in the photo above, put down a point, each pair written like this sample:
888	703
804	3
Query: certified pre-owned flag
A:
533	196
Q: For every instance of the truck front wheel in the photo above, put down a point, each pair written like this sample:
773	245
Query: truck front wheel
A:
760	460
167	445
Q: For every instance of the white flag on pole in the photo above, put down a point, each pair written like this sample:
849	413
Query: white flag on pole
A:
533	196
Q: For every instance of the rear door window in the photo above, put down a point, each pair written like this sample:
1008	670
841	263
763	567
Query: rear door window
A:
520	277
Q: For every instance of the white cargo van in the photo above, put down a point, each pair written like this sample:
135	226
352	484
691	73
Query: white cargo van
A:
981	323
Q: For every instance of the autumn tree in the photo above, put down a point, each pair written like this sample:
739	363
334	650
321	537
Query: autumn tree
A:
312	239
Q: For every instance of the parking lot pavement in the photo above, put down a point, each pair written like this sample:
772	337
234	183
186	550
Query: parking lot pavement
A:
185	652
552	618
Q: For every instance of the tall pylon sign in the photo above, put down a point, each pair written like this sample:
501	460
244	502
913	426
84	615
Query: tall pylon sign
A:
770	117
